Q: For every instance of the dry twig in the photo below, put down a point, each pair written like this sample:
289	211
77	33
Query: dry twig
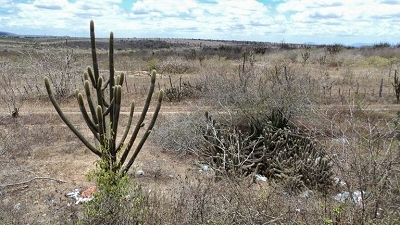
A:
28	181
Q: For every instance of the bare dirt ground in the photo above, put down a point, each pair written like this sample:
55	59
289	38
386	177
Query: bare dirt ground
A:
34	181
35	178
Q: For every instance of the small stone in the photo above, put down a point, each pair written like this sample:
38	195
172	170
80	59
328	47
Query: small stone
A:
17	206
205	167
140	172
261	177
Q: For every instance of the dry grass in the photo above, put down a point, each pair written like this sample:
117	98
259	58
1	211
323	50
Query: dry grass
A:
341	108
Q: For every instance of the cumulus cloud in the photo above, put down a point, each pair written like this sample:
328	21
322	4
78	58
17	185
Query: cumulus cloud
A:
336	18
275	20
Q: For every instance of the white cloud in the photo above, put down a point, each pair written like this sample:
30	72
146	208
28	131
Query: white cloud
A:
292	20
167	8
333	18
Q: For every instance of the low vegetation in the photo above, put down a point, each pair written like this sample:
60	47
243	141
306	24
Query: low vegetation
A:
266	133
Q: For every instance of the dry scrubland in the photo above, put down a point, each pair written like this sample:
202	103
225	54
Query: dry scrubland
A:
337	104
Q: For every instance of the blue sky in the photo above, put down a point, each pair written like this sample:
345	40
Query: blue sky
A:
294	21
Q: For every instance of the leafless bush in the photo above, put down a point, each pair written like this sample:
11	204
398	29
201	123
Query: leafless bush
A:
62	67
197	201
20	135
368	160
12	93
363	144
176	65
180	133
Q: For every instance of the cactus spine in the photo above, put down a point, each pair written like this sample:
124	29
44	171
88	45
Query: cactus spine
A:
104	112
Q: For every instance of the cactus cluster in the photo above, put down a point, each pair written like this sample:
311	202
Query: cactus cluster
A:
104	97
184	90
276	153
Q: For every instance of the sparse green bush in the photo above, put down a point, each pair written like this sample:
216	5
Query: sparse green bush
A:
117	201
152	65
378	61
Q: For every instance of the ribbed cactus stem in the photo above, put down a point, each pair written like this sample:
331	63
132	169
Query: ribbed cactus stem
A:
93	48
147	133
66	121
93	127
121	79
128	126
90	101
99	114
117	108
141	119
91	76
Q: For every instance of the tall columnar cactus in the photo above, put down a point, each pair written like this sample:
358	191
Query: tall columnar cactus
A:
396	85
103	115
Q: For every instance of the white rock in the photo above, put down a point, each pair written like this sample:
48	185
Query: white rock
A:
140	172
261	177
205	167
17	206
339	182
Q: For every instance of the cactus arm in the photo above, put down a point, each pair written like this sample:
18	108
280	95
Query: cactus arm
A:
108	109
114	118
93	48
90	102
91	77
121	79
128	126
141	119
67	122
99	114
117	109
106	84
111	65
146	134
86	117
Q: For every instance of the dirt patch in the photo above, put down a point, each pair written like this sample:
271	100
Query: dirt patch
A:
46	161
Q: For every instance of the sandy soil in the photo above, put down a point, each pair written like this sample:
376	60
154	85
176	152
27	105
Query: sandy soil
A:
35	178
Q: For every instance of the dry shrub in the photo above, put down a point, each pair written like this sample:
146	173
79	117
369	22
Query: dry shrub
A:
62	65
368	160
202	201
176	65
21	135
179	133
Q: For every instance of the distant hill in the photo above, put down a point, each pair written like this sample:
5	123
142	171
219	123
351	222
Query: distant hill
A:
3	33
